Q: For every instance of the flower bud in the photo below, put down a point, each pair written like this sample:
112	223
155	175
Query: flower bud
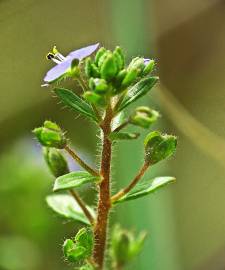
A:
91	70
80	248
159	147
50	135
55	160
73	252
149	66
119	58
109	68
138	64
129	78
94	98
144	117
100	86
99	54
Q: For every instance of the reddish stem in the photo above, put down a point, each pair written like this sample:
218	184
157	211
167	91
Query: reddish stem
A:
104	202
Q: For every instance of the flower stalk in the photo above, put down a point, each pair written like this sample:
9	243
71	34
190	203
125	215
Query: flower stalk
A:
80	161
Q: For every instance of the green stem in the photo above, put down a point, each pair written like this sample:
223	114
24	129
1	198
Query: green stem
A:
80	161
132	184
82	206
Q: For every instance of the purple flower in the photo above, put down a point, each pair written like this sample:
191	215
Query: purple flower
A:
64	62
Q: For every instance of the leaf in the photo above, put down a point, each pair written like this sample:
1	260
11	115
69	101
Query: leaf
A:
138	90
146	188
67	207
114	136
76	103
73	179
118	120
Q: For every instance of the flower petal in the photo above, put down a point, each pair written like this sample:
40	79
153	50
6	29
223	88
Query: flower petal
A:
61	68
57	71
83	52
146	61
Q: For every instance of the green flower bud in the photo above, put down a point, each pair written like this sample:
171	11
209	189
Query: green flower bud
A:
73	252
159	147
100	86
149	67
99	54
94	98
103	57
55	160
138	64
50	135
80	248
87	67
144	117
119	58
84	238
109	68
129	78
91	70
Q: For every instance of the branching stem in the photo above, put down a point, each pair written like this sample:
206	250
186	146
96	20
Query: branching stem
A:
80	161
132	184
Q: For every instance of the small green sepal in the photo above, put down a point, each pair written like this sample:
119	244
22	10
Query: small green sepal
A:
94	98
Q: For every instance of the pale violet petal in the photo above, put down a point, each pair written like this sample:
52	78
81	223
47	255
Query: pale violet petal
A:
57	71
83	52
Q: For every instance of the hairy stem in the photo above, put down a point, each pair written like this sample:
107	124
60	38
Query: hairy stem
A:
125	190
82	206
104	203
80	161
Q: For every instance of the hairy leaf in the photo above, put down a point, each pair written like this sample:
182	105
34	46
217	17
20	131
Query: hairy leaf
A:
73	179
138	90
76	103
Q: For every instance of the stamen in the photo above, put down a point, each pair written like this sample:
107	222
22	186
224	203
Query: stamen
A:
49	56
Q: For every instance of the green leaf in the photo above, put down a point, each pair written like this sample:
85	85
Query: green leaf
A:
67	207
75	102
138	90
114	136
73	179
118	120
146	188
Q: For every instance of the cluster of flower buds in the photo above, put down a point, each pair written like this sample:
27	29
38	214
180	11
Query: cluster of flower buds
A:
159	146
108	75
79	248
125	246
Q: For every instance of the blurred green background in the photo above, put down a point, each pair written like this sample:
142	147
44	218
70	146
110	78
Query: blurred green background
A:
186	221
